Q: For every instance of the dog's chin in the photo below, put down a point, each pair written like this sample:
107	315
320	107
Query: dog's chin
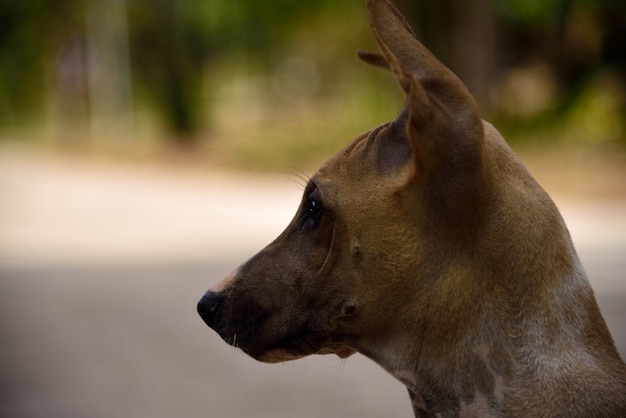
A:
278	355
289	350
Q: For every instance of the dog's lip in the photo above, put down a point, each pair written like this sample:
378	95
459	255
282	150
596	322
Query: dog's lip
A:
291	348
278	355
343	351
285	349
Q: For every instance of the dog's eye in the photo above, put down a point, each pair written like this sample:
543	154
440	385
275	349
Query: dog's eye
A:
312	213
312	208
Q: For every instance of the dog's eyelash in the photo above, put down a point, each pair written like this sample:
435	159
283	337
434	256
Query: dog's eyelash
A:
299	177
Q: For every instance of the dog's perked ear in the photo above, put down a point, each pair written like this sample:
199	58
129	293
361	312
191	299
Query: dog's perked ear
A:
443	124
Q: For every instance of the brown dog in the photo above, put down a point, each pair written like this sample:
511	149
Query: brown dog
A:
428	247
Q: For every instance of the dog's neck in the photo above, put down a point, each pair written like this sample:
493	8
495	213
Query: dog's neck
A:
460	368
465	381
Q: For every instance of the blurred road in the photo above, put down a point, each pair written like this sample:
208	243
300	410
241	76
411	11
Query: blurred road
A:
101	266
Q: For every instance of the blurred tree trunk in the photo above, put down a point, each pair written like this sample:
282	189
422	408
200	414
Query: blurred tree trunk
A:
108	69
461	33
473	47
170	51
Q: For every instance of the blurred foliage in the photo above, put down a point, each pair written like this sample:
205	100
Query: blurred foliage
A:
170	46
24	49
249	76
531	12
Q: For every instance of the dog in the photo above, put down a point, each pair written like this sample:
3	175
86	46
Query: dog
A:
427	246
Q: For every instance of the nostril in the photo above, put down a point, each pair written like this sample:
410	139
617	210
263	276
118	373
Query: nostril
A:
208	307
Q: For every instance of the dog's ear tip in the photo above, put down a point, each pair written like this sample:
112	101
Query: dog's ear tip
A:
374	58
363	54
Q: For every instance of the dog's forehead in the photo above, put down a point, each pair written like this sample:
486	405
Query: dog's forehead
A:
333	171
355	160
353	174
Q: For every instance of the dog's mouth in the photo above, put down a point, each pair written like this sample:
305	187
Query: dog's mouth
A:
255	331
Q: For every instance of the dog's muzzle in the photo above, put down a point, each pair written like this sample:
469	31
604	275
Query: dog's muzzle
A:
208	306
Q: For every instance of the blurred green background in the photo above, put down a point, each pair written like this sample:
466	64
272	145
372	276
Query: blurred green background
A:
258	85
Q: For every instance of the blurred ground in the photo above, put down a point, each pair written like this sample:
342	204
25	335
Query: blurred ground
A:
101	265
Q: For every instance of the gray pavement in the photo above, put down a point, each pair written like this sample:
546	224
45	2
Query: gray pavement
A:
101	267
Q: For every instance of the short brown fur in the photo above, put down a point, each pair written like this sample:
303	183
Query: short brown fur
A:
427	246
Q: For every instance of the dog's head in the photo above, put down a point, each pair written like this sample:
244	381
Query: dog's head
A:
398	233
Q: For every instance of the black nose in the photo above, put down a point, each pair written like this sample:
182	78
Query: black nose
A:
208	307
